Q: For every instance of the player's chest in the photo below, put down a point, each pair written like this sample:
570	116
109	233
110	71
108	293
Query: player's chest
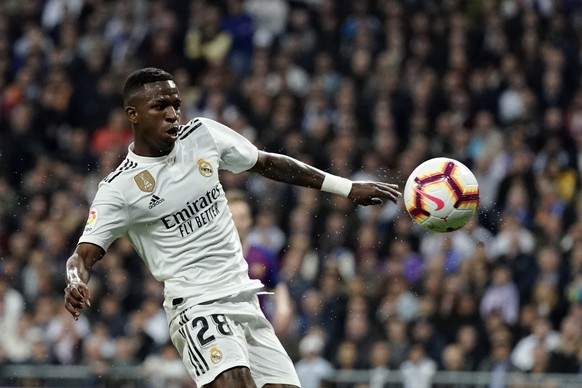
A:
186	185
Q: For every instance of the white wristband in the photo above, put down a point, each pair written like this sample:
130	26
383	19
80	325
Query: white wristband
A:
336	185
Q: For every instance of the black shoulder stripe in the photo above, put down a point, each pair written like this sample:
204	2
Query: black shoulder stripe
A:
127	165
189	129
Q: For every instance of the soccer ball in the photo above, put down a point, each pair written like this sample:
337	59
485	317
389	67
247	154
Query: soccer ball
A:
441	195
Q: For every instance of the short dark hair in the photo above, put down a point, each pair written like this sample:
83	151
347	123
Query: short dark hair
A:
139	78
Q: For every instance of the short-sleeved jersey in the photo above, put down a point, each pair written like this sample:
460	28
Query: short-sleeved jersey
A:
174	211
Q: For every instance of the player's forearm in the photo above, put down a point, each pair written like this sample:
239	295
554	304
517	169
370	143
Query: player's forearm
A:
285	169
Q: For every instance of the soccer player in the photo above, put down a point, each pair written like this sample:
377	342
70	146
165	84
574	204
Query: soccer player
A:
166	198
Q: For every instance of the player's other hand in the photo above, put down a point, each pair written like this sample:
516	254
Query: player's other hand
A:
373	193
77	297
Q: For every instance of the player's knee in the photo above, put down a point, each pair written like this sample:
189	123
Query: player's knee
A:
238	377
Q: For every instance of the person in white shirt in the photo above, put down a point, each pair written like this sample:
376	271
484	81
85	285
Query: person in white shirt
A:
312	368
542	335
166	198
418	370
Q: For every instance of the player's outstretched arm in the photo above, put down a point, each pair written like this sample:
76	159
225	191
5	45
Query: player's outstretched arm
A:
78	273
283	168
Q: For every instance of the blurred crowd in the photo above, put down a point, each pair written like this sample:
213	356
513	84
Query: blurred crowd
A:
365	89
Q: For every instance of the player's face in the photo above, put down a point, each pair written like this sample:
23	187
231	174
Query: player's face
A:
155	115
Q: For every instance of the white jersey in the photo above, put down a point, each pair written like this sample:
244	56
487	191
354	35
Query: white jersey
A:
174	211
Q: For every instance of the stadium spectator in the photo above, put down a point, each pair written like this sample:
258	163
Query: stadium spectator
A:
398	342
418	369
166	369
12	304
525	354
501	296
562	359
312	368
498	363
115	135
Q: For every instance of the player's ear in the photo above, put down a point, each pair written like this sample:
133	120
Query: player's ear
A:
131	113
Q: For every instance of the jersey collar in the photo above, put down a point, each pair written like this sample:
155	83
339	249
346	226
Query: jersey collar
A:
167	159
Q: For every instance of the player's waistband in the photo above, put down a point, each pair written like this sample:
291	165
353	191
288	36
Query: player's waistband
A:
181	303
178	301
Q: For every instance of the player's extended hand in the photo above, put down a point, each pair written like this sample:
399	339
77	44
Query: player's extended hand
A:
76	297
373	193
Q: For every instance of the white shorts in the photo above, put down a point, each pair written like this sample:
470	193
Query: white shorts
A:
230	332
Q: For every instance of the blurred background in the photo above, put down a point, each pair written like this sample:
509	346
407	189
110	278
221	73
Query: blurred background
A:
365	89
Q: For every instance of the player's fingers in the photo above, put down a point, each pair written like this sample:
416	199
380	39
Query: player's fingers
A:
73	301
369	201
75	292
373	193
72	310
79	292
390	193
84	291
395	190
389	188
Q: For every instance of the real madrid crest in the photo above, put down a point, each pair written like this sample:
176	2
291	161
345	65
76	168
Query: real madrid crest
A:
215	355
145	181
204	167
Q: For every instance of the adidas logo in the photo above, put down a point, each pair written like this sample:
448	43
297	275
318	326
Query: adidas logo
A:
155	201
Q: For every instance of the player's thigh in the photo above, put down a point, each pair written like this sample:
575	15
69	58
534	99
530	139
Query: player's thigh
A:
237	377
240	377
270	363
210	344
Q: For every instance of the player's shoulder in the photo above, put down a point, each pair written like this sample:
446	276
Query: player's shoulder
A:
185	130
125	168
197	123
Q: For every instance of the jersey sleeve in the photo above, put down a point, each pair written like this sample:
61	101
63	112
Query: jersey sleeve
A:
237	153
107	219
